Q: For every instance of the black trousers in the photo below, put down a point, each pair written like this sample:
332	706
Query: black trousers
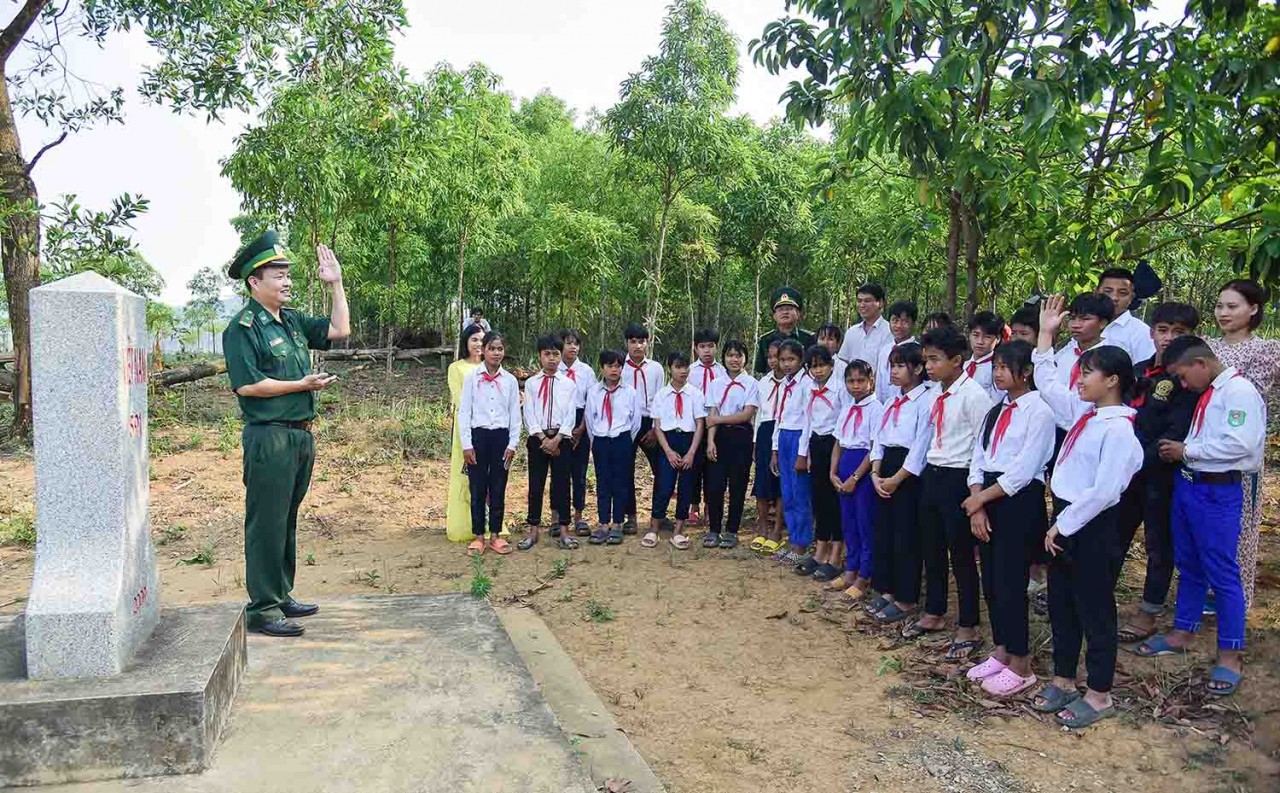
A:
540	463
896	555
488	478
945	532
1018	524
615	460
731	470
652	453
670	481
578	460
1147	502
1082	599
826	501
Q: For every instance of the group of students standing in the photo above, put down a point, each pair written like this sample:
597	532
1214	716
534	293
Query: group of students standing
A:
886	466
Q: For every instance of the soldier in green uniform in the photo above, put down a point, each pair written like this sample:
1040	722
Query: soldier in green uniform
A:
266	347
788	310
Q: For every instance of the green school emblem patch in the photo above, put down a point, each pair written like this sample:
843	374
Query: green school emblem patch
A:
1235	418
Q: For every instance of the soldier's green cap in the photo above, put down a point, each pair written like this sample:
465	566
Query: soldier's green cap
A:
786	296
266	249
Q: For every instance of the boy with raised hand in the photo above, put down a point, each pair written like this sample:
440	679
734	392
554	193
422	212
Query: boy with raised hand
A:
1225	442
1057	374
1164	413
644	375
902	326
1125	330
550	407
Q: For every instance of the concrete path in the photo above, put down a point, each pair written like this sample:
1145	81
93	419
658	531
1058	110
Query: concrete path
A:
395	694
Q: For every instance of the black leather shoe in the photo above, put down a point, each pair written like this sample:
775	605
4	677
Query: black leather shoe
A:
293	609
279	628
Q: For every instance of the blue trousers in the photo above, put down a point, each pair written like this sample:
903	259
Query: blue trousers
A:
615	475
797	493
1206	532
670	481
857	515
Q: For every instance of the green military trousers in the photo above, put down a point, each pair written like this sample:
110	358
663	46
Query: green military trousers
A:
277	473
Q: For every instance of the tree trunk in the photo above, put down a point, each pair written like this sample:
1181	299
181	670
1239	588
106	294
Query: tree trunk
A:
953	251
20	250
755	331
189	373
391	309
463	239
972	240
655	308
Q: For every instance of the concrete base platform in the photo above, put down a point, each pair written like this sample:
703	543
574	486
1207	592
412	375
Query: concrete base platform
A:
163	715
395	694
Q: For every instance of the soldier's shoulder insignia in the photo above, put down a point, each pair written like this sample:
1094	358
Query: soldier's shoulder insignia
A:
246	319
264	317
1235	418
1163	389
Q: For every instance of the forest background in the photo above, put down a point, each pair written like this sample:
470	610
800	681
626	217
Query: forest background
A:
964	155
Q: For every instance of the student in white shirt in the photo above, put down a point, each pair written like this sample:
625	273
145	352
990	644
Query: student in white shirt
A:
702	375
489	429
1225	443
902	328
645	376
1098	458
817	445
679	418
1125	330
550	405
863	340
896	551
856	423
731	408
1006	513
829	336
767	488
986	330
613	421
1024	325
786	463
956	408
1057	374
579	450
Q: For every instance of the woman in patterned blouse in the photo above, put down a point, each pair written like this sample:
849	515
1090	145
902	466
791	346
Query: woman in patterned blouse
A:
1239	311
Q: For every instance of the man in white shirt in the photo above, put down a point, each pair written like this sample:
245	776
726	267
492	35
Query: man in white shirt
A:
1125	330
864	340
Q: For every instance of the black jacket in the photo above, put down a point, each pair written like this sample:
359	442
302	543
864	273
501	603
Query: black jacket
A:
1164	410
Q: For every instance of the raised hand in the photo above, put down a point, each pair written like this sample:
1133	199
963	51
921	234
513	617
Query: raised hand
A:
327	267
1052	313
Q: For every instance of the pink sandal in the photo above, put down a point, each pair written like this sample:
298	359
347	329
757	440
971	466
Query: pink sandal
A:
987	668
1007	682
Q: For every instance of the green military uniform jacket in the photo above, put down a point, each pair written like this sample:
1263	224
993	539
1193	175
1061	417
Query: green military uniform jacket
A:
805	338
257	346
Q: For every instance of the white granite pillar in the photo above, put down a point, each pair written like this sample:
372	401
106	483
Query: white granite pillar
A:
95	596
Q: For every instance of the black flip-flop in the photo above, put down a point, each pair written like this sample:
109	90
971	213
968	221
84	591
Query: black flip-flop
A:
1083	714
629	527
712	540
728	540
890	614
568	543
806	567
914	630
969	647
1055	699
615	537
826	572
582	529
599	537
878	605
527	542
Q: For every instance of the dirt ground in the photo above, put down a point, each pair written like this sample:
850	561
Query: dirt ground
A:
728	672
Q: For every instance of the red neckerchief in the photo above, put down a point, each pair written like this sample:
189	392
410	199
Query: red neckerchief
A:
495	379
819	393
545	391
1002	426
855	413
725	395
679	403
1069	442
895	410
1202	406
1075	370
607	407
637	373
938	414
773	395
786	392
707	372
972	369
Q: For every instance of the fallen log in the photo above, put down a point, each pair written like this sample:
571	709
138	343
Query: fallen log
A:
381	354
188	374
7	381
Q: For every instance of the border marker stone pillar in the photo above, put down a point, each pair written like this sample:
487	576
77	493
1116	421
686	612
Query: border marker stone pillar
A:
95	596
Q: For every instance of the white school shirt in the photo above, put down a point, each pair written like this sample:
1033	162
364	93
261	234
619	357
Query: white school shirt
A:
769	391
1131	335
550	406
624	405
858	421
583	378
885	390
1228	427
1092	472
821	406
491	403
838	368
904	419
1022	451
964	406
862	344
703	376
729	395
693	406
1053	378
646	379
791	405
980	369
